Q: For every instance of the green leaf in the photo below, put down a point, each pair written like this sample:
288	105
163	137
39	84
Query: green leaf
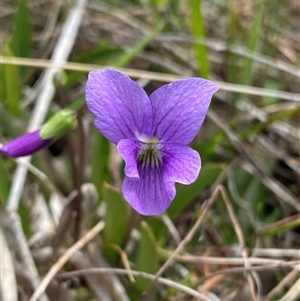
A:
12	85
253	40
147	258
8	125
127	57
198	30
253	192
272	84
158	228
4	183
116	218
185	194
22	30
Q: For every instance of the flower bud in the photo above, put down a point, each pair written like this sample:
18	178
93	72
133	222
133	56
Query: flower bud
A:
56	127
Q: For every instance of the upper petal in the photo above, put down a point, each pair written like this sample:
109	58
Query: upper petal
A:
25	145
179	109
122	108
149	195
181	164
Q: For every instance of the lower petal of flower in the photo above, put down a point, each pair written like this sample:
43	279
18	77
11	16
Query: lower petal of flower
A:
149	195
181	164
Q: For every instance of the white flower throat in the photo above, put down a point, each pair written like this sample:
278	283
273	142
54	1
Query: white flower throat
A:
149	153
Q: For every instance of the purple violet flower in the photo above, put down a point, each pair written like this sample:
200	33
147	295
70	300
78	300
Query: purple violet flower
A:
24	145
151	133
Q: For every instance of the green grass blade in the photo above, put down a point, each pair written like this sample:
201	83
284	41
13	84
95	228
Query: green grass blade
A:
4	183
253	43
147	259
116	218
8	126
130	55
232	69
22	30
100	158
12	85
198	30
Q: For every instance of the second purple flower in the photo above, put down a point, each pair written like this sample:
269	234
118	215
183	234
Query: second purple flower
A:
151	133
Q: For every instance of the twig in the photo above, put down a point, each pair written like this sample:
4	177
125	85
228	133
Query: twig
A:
161	280
250	269
160	77
241	240
77	155
293	294
184	242
111	282
271	252
124	259
24	251
171	227
233	260
280	286
64	258
8	284
97	284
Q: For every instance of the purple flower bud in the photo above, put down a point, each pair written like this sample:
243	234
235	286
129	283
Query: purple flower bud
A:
25	145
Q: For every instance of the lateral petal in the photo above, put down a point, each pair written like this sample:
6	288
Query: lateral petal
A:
122	108
182	164
128	150
179	109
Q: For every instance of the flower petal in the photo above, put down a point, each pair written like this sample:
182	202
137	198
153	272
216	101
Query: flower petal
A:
182	164
128	150
122	108
25	145
149	195
179	109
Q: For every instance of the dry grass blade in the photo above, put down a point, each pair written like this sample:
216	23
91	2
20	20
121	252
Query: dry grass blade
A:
171	227
237	270
64	258
254	167
281	285
220	46
293	294
24	251
8	284
233	260
241	240
185	241
161	280
161	77
124	259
